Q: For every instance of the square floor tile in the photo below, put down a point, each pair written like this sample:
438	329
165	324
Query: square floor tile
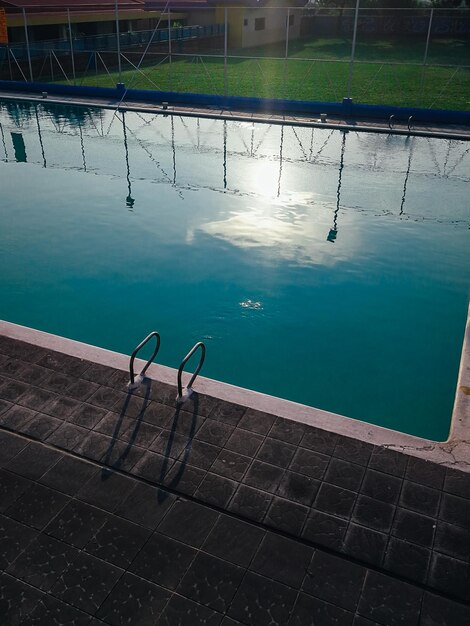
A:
37	506
211	581
282	559
117	541
42	562
188	522
310	611
33	461
146	505
328	573
390	601
234	540
68	475
106	489
14	538
17	600
52	612
183	612
262	601
76	523
163	561
286	515
86	583
134	601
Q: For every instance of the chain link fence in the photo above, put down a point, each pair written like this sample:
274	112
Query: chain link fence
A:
384	56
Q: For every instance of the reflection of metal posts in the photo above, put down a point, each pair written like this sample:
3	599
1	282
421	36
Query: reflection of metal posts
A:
225	154
129	200
225	50
173	148
118	39
334	231
426	50
40	137
405	184
3	142
353	49
27	46
280	161
82	146
71	46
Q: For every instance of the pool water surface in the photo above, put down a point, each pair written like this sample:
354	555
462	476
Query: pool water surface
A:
324	267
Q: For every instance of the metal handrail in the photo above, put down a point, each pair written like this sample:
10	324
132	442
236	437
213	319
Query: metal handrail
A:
409	122
390	120
135	382
182	397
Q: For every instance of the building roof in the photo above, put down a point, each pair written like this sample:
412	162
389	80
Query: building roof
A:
59	6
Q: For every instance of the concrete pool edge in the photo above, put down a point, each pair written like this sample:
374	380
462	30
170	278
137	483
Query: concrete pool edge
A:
455	452
341	123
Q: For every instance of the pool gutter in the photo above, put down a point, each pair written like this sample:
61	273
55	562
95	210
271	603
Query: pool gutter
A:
455	452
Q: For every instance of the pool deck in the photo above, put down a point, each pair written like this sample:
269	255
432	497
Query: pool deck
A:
234	508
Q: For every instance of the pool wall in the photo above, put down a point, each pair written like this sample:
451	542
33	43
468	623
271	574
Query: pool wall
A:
455	452
347	108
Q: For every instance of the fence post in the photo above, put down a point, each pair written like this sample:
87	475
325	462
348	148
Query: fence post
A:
353	49
71	46
287	33
225	51
118	39
52	67
426	50
27	46
285	54
9	62
169	47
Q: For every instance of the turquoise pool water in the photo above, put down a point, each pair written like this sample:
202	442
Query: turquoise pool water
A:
328	268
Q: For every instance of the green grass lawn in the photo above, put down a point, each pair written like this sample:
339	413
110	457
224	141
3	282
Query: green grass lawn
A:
376	77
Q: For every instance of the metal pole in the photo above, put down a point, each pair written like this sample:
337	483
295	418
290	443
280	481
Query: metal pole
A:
27	46
285	54
9	62
353	49
118	40
287	33
52	67
425	60
169	46
225	51
426	50
71	45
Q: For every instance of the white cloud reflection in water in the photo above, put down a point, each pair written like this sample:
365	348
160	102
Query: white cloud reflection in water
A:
293	230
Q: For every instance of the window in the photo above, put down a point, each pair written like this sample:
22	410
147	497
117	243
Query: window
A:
245	22
260	23
291	20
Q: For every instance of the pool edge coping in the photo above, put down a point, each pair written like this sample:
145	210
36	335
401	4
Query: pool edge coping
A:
210	112
454	452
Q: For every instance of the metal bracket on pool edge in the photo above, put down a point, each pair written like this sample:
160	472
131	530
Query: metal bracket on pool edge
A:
183	395
390	121
135	381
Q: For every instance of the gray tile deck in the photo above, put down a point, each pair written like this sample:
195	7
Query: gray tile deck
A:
118	508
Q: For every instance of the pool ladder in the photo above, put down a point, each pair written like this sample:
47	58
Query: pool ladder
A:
184	393
391	120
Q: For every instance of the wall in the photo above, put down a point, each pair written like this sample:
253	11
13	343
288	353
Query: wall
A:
275	27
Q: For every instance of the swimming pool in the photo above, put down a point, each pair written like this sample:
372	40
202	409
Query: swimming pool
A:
324	267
